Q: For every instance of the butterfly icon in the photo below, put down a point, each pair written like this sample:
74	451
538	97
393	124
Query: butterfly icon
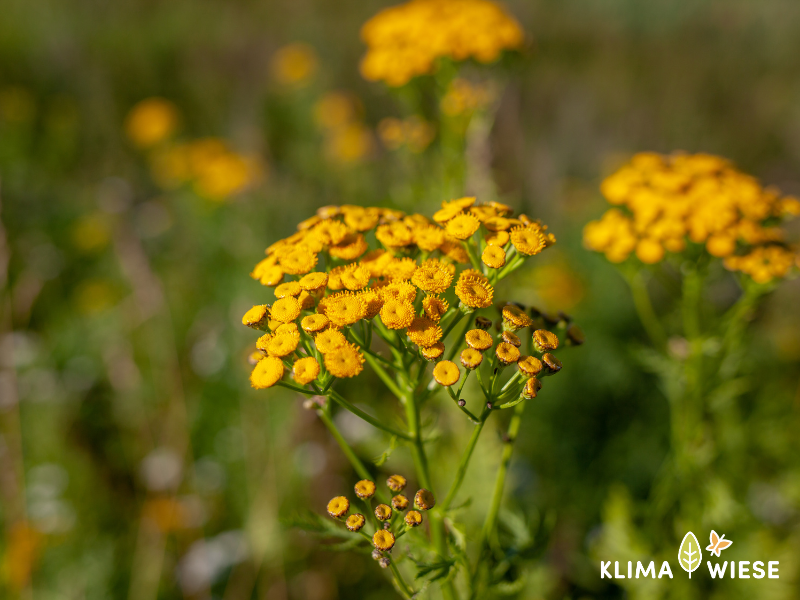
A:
718	544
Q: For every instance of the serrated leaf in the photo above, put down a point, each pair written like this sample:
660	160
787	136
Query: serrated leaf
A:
689	554
439	569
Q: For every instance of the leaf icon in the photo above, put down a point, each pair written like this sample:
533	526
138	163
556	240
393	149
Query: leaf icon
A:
689	554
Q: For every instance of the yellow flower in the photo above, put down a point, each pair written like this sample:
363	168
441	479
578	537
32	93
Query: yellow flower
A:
151	121
398	290
267	273
330	340
493	257
399	502
396	483
257	317
288	329
294	64
529	366
506	353
453	250
282	345
383	540
394	235
718	244
346	361
478	339
344	309
497	238
383	512
551	363
462	226
528	239
433	277
365	489
429	238
361	219
649	251
474	292
516	317
306	300
314	323
289	288
434	307
446	373
432	352
286	309
355	522
350	248
397	314
424	332
413	518
330	232
424	499
297	261
305	370
400	269
266	373
338	507
532	387
511	338
471	358
544	340
313	281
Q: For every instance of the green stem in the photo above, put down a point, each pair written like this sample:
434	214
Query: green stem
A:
358	466
456	344
646	312
464	464
340	400
385	377
402	586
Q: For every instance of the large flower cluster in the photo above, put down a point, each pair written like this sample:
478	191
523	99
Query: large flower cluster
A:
406	40
666	202
383	271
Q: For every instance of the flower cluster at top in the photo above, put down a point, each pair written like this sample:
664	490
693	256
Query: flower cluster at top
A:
667	202
405	41
349	272
388	523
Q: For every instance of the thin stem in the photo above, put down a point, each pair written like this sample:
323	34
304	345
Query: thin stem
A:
645	311
358	466
341	401
454	348
385	377
464	464
402	586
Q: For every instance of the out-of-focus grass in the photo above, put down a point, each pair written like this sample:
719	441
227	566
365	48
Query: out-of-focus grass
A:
131	444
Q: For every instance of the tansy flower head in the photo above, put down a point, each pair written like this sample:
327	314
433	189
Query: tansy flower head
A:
355	522
446	373
399	502
288	329
373	302
482	322
383	540
365	489
511	338
267	273
282	345
429	238
263	342
506	353
257	317
478	339
544	340
474	292
355	277
432	277
462	226
399	290
297	260
313	281
345	309
396	483
432	352
528	239
529	366
289	288
424	499
346	361
329	340
400	269
383	512
254	357
394	235
497	238
350	248
551	363
471	358
494	257
397	314
266	373
286	309
305	370
314	323
434	307
532	387
424	332
413	518
515	317
338	507
361	219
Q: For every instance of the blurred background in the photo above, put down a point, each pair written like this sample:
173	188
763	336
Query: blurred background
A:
135	460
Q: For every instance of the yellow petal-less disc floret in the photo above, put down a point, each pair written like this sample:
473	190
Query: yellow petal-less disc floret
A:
478	339
314	323
512	338
434	307
399	502
493	257
474	292
257	317
529	366
424	499
544	340
396	483
462	226
338	507
288	288
532	387
471	358
506	353
399	290
424	332
286	309
346	361
396	314
529	239
432	352
329	340
282	345
551	363
413	518
355	522
383	540
297	261
365	489
305	370
313	281
515	317
446	373
266	373
345	309
432	277
383	512
497	238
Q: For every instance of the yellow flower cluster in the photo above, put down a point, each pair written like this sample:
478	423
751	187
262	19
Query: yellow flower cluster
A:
666	202
413	133
405	41
347	140
209	165
294	65
464	97
407	281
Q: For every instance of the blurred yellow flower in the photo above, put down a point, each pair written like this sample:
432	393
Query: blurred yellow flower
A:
151	121
464	97
294	64
91	233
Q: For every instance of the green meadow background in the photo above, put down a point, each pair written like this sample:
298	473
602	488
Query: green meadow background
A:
135	460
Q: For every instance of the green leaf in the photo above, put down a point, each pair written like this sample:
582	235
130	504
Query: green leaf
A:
438	569
387	453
